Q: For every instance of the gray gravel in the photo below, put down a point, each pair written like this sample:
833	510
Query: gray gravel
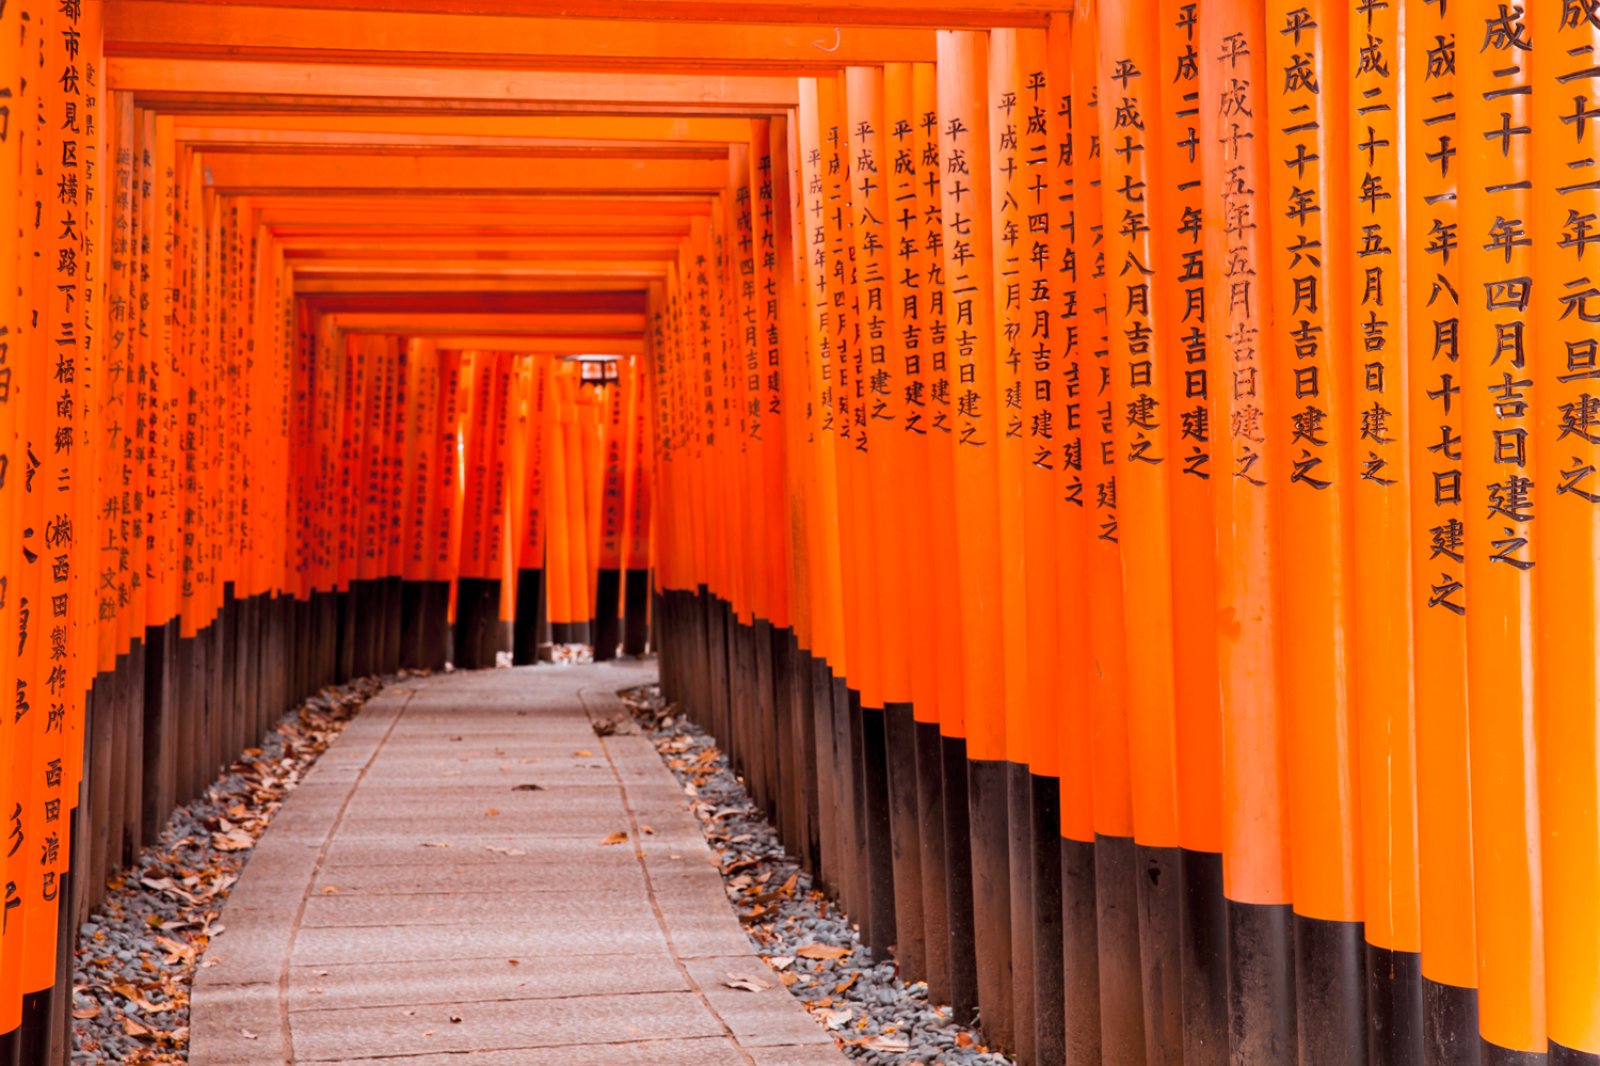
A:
137	955
873	1015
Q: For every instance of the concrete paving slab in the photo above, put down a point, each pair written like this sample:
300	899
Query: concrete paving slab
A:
709	1052
359	1032
502	977
349	940
513	874
627	907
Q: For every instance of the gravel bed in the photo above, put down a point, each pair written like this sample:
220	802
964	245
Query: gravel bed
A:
805	939
137	954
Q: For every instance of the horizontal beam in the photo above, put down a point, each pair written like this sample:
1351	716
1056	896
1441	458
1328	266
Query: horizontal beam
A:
260	141
551	324
533	254
595	128
400	228
380	174
155	28
384	268
475	206
841	13
527	90
484	342
423	286
571	302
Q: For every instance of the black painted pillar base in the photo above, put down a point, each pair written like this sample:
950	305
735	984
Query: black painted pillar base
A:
935	871
1204	959
607	622
436	624
1330	992
1565	1056
1160	903
1261	989
809	842
1080	971
393	621
636	612
326	613
131	752
856	894
160	728
189	713
1394	1007
900	735
344	665
958	880
411	624
1121	979
991	896
1019	848
1450	1025
33	1040
363	630
829	842
530	607
1049	1033
477	622
876	820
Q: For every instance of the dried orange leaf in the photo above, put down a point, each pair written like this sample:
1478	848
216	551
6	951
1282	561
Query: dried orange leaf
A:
822	951
614	838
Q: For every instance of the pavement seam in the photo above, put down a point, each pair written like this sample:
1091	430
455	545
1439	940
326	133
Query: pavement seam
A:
316	871
453	1002
635	834
464	1054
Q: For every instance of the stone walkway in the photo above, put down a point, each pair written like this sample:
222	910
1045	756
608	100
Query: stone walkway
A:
438	890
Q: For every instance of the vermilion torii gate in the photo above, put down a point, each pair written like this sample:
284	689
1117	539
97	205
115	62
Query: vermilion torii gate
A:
1120	478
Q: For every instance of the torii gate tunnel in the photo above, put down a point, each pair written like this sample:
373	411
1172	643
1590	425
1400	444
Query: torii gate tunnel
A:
1120	479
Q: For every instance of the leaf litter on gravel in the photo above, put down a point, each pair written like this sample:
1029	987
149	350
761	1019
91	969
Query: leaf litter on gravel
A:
137	954
806	941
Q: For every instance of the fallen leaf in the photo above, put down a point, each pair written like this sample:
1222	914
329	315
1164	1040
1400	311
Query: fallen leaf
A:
844	986
85	1012
746	982
822	951
455	1019
435	844
648	830
513	962
583	752
177	951
429	1032
248	1035
963	1040
233	840
529	787
503	851
895	1044
329	890
835	1019
614	838
780	962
